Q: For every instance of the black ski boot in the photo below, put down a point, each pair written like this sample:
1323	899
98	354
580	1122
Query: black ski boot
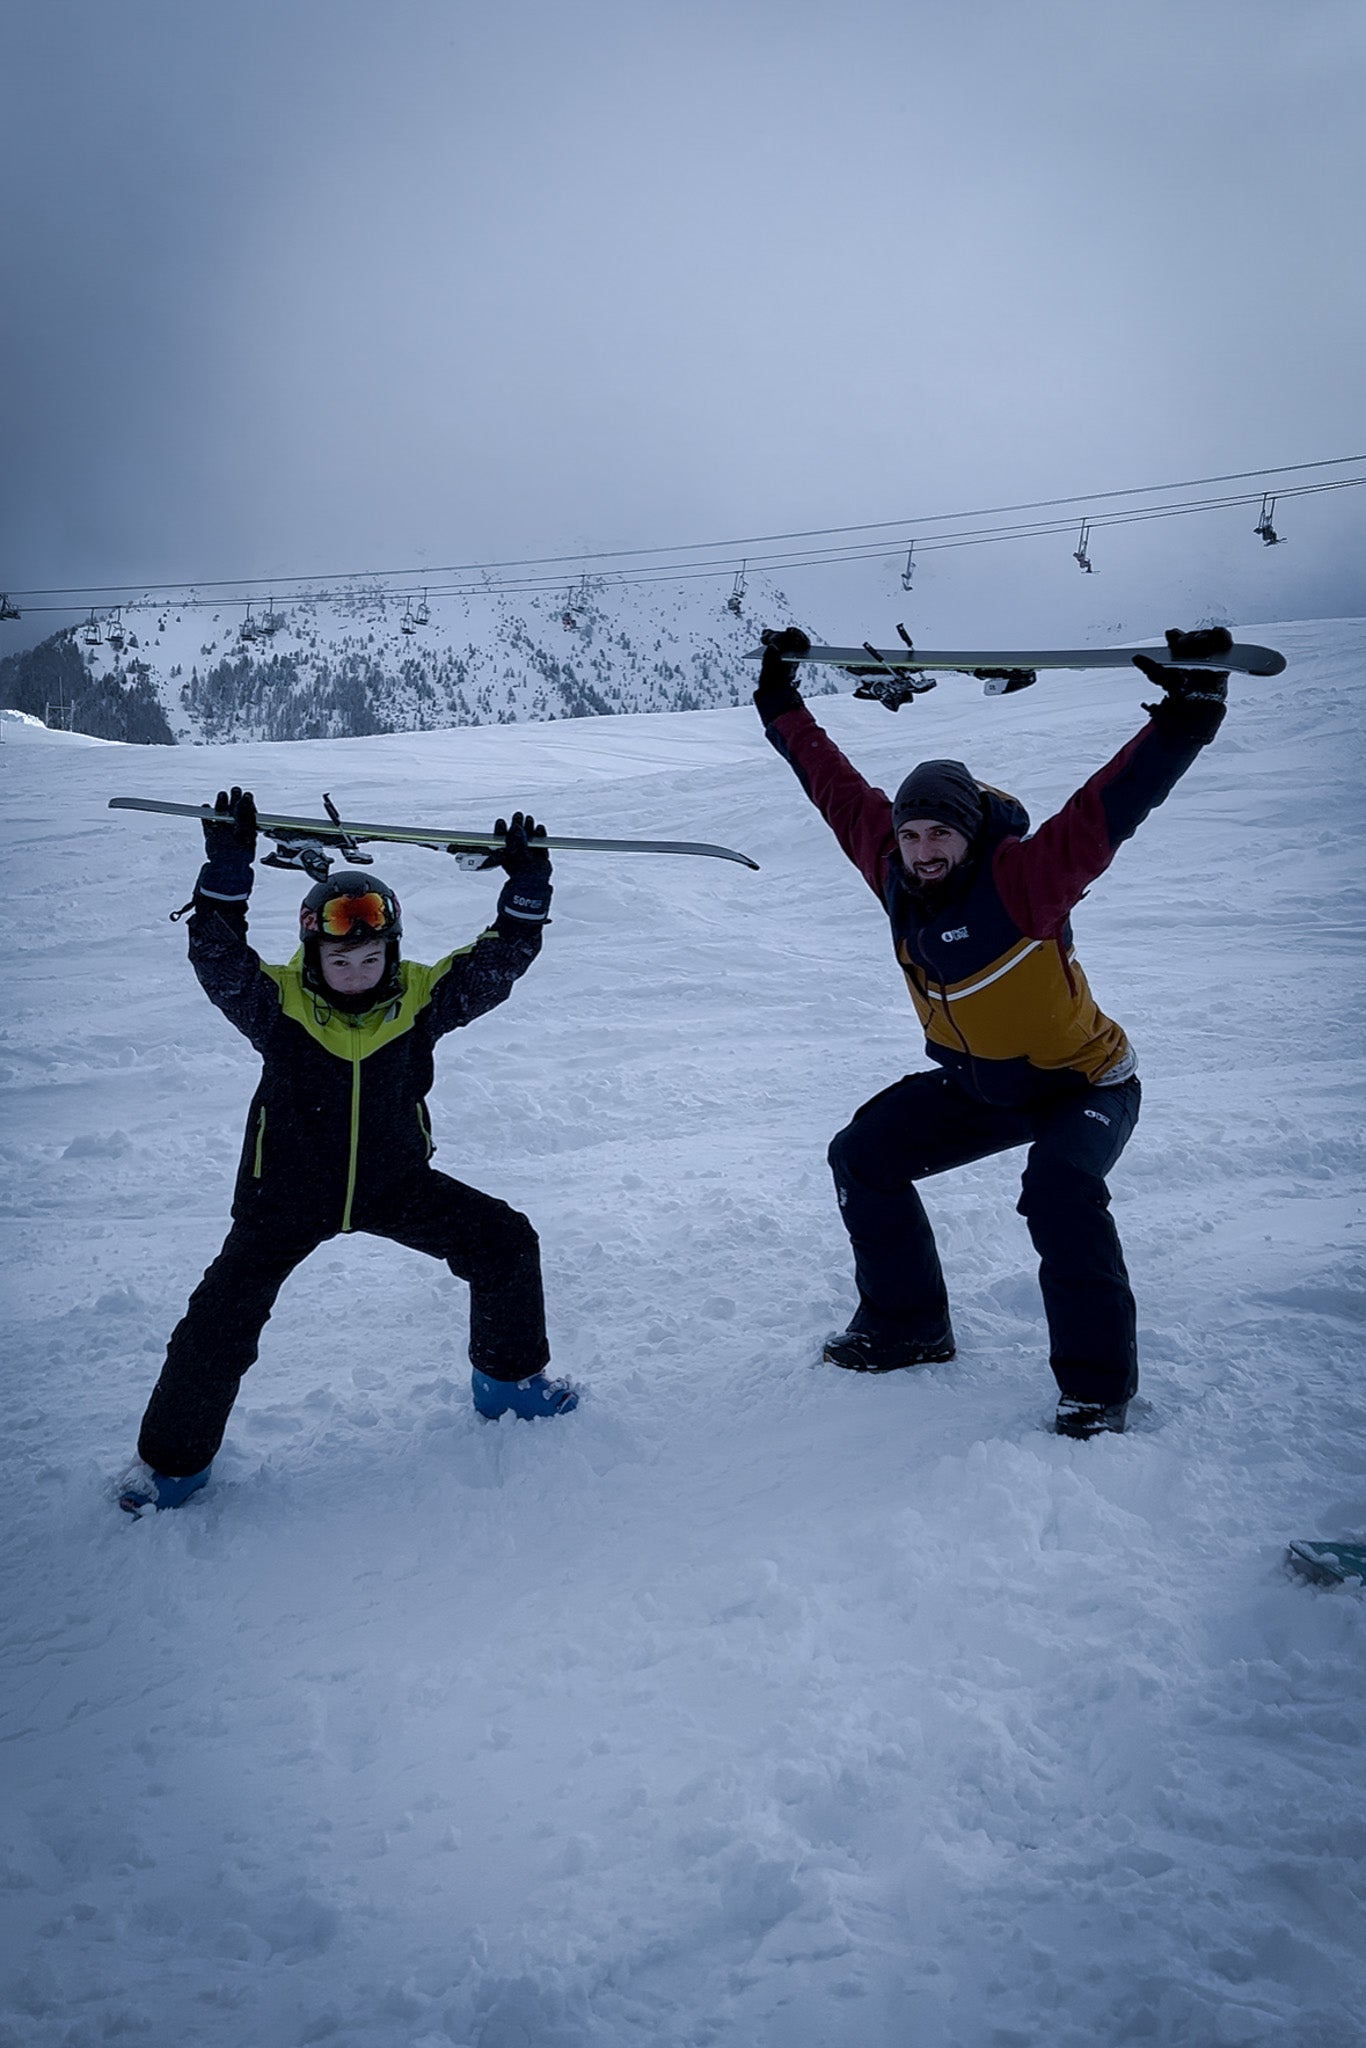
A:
883	1351
1084	1419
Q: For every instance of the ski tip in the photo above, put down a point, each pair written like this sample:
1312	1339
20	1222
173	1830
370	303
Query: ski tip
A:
1270	662
713	852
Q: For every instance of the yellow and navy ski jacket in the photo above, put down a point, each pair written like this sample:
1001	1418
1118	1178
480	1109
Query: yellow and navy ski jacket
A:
992	973
340	1112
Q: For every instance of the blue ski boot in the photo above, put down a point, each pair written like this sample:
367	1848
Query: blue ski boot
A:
145	1488
528	1399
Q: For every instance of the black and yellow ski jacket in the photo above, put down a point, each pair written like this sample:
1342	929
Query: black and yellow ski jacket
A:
992	972
340	1114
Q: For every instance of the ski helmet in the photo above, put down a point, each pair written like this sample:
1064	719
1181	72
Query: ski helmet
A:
352	907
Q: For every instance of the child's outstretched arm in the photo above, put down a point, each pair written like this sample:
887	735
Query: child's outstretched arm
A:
480	976
228	969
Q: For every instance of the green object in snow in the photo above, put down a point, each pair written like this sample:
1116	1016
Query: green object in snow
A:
1329	1564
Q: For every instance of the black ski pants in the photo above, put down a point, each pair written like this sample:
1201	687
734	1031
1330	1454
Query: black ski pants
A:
927	1124
481	1239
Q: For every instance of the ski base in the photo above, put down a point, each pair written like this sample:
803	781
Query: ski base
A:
1328	1564
335	836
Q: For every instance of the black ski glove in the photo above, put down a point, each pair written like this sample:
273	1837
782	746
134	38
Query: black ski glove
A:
526	893
777	691
230	848
1196	698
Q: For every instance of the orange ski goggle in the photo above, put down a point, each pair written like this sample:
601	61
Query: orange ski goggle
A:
344	917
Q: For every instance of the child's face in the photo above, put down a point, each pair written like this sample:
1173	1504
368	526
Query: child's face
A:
351	970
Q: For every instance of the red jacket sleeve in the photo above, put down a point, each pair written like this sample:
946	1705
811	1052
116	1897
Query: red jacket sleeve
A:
859	815
1039	879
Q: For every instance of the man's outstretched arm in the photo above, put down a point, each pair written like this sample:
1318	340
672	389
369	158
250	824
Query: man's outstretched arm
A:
1042	877
859	815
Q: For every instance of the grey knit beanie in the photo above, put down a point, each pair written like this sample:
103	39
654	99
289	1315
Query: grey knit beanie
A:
943	790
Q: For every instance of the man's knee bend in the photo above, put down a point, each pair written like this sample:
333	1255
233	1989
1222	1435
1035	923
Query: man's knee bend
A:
1059	1194
855	1160
837	1150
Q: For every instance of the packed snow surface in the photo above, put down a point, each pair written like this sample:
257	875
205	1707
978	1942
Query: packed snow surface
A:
756	1704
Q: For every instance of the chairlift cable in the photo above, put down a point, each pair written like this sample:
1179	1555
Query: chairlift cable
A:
693	547
318	592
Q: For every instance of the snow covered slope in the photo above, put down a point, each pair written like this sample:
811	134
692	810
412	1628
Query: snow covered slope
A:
368	661
755	1705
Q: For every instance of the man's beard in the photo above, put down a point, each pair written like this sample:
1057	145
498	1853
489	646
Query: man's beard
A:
931	899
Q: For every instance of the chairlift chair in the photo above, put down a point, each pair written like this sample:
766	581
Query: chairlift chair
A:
908	572
422	617
1264	530
1079	554
93	635
8	610
736	601
248	629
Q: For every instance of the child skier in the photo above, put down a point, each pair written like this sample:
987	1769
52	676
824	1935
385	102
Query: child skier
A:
338	1138
980	926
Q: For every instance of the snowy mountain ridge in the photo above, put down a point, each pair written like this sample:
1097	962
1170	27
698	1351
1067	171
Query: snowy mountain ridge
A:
365	661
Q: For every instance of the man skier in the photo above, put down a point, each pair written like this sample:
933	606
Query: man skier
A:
338	1137
980	925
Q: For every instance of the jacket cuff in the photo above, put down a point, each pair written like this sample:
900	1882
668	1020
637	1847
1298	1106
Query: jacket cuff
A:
225	881
1187	719
525	898
771	700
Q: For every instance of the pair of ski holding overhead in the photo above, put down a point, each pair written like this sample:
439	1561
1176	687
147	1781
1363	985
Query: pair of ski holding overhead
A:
891	676
338	1139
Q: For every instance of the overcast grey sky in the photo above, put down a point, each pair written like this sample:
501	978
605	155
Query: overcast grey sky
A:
307	285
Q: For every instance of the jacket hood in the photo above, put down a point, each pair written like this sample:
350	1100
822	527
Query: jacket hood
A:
1004	816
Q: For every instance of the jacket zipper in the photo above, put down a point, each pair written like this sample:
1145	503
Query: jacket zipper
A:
950	1020
260	1141
355	1132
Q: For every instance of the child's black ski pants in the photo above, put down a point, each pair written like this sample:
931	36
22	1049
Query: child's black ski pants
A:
481	1239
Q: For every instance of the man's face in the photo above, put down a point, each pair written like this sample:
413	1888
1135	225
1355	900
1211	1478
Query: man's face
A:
930	851
351	970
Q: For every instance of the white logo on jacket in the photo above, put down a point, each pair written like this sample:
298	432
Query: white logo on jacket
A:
960	933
